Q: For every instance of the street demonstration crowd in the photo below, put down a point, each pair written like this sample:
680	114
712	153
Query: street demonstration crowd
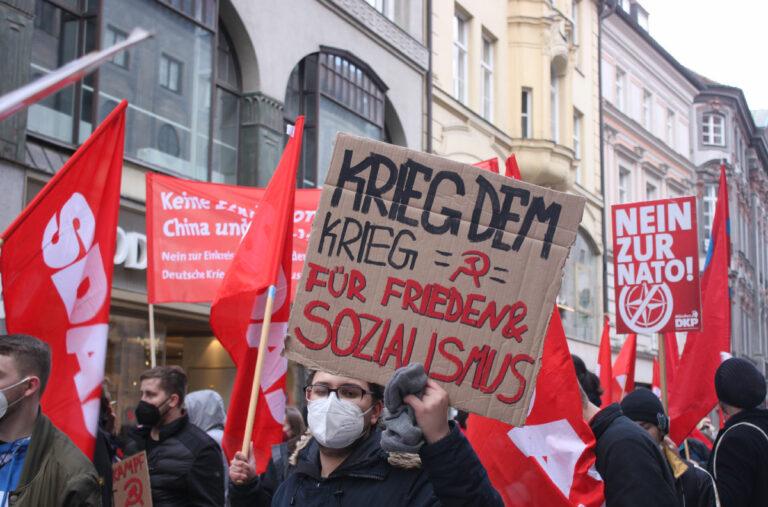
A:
352	452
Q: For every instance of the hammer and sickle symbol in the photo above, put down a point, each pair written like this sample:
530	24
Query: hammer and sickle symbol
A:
477	266
135	491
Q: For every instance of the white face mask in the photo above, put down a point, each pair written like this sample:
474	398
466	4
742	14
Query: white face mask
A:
334	423
4	405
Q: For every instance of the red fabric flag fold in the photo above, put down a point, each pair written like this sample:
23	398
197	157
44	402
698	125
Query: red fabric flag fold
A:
56	263
263	259
693	395
604	368
624	369
549	461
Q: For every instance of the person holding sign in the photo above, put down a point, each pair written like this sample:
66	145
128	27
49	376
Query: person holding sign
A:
184	463
39	465
341	462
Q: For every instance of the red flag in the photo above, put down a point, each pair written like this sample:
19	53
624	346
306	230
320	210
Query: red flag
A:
492	164
262	260
672	359
549	461
604	369
693	395
57	273
513	171
624	369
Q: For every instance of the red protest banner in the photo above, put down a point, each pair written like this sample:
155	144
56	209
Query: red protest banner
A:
656	266
194	229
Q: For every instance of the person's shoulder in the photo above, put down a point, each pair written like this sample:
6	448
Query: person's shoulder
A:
69	459
195	439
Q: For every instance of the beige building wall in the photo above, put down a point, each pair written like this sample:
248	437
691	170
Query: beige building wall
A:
534	40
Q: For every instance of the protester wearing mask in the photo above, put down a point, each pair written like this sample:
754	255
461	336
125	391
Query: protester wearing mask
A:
185	465
694	485
739	461
39	465
342	463
634	472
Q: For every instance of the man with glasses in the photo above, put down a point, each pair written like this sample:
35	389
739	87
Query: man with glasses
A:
39	465
342	463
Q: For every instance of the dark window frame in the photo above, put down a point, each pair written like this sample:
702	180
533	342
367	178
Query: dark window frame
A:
180	77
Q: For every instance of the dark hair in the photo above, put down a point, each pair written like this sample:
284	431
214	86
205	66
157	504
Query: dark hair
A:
295	421
173	380
589	382
376	390
31	355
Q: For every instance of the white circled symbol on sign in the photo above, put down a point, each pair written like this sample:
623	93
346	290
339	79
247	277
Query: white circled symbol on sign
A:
646	308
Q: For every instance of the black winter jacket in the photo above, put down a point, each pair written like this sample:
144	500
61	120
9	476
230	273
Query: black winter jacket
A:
739	461
184	465
633	469
450	475
696	487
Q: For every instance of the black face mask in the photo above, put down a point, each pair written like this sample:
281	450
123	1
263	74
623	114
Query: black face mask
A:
148	414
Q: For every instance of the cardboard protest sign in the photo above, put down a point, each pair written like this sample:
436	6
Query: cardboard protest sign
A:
194	228
656	266
130	482
415	258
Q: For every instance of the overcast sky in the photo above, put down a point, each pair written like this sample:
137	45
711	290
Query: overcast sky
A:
722	40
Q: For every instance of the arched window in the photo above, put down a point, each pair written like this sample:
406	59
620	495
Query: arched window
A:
226	120
579	297
713	129
336	93
168	140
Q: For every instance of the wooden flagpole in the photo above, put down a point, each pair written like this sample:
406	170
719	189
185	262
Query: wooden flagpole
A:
662	354
152	341
257	371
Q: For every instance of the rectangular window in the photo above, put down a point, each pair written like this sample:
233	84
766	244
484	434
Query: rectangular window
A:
460	37
671	128
170	73
576	21
526	113
708	204
624	185
487	68
621	85
712	127
651	191
169	117
554	107
60	36
577	119
114	36
647	109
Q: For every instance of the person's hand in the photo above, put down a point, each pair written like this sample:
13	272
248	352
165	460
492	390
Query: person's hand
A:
431	411
669	444
242	470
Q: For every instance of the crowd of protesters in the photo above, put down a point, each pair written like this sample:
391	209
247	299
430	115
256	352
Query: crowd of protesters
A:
364	444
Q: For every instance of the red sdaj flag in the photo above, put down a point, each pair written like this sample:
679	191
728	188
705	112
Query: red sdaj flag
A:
549	461
56	266
672	358
624	369
513	171
604	368
693	395
262	260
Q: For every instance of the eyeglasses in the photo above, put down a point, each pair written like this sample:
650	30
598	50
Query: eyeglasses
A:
346	392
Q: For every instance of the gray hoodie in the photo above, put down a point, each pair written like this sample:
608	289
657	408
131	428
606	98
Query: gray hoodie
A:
205	409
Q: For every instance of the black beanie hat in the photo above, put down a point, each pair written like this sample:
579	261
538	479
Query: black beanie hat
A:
642	405
739	383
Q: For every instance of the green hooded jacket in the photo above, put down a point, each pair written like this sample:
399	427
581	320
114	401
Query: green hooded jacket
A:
56	473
